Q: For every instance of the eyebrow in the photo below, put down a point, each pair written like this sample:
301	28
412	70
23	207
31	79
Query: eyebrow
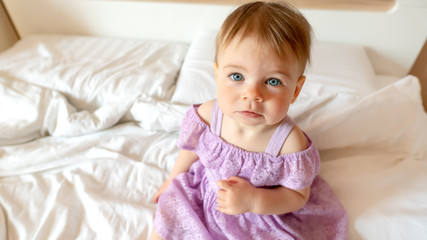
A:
234	66
286	74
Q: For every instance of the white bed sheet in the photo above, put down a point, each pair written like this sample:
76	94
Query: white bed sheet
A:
383	193
96	186
67	173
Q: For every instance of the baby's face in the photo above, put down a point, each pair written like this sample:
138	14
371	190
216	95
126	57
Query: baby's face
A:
255	87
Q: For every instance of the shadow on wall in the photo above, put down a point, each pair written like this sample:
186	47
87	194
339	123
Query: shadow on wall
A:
8	35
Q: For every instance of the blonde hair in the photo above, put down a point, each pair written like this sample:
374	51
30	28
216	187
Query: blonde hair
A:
278	28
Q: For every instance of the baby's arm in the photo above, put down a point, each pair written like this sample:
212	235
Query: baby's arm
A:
186	158
238	196
182	164
279	200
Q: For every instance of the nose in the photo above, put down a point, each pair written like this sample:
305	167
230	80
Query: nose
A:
252	93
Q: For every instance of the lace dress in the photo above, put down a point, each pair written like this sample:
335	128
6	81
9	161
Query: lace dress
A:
188	208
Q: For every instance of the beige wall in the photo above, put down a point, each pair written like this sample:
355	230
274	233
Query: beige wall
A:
7	35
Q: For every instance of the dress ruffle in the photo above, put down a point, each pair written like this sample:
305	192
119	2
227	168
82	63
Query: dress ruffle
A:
295	170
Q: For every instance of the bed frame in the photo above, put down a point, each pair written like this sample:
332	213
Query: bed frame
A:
393	32
419	69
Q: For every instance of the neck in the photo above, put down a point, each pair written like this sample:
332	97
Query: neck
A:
250	138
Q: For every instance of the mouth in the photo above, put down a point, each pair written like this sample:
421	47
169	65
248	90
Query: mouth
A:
249	114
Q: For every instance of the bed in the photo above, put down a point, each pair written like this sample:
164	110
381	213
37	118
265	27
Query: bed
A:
90	117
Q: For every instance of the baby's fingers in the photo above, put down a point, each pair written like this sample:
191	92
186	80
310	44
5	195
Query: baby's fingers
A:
223	184
222	206
157	196
220	194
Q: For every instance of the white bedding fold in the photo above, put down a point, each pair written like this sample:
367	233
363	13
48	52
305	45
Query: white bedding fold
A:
22	108
62	119
157	115
29	112
96	186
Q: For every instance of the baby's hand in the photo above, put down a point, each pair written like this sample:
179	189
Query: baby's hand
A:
235	196
161	190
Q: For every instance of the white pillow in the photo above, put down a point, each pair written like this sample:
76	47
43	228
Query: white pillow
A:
341	67
390	119
196	80
337	67
94	71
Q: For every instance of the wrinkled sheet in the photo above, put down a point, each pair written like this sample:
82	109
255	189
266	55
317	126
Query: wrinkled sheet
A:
96	186
70	174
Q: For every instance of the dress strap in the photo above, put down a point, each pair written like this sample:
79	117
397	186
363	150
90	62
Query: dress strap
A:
279	137
277	140
216	121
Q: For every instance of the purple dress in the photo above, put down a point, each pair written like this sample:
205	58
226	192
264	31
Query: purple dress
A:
188	208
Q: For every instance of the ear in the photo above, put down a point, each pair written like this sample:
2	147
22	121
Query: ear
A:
298	88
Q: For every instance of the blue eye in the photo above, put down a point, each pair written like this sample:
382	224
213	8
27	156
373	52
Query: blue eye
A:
236	76
273	82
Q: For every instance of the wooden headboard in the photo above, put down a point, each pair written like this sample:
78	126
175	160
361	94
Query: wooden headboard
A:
366	5
419	69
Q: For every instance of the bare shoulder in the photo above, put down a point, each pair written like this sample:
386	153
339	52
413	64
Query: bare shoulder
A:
205	111
295	142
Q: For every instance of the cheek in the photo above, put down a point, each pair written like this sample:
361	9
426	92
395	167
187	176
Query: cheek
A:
280	106
225	90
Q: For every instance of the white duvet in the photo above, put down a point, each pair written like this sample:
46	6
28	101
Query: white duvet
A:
72	173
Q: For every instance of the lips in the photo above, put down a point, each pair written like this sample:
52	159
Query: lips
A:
250	114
